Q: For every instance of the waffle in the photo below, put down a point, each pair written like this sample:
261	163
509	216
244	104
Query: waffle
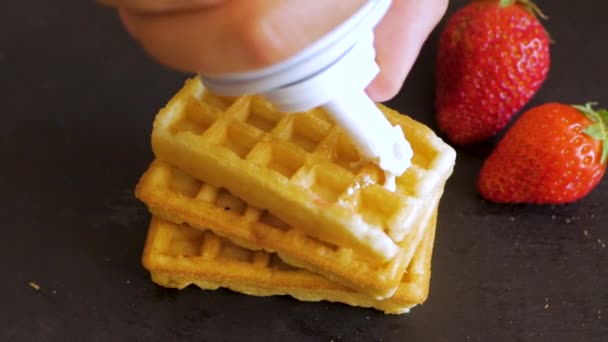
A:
301	167
178	255
171	194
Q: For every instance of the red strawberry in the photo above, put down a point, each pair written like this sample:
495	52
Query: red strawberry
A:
493	57
553	154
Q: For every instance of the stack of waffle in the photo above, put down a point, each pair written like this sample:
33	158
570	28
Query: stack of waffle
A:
267	203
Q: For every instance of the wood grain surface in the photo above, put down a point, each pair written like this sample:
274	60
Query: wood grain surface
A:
78	99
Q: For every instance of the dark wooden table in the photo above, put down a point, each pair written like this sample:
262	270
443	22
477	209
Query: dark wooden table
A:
78	98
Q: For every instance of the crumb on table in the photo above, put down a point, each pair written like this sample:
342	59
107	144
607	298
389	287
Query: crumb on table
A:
34	286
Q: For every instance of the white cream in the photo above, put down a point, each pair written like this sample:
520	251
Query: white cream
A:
371	133
389	181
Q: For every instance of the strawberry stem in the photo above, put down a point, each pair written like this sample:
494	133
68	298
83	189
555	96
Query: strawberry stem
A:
530	7
528	4
598	130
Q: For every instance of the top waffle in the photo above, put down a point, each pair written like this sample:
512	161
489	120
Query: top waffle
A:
300	167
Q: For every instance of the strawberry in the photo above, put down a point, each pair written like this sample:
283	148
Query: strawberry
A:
554	153
493	57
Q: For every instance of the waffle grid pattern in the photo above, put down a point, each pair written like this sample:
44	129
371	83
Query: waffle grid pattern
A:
178	197
301	166
178	255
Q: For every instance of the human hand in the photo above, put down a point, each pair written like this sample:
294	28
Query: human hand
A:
220	36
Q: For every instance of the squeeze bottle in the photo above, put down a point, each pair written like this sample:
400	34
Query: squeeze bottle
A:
332	73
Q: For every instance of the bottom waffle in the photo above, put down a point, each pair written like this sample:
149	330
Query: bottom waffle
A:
178	256
175	196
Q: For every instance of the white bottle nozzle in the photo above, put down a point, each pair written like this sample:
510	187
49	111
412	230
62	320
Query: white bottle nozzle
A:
373	135
333	73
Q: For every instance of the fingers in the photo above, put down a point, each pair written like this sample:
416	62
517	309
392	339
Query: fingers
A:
238	35
189	41
158	6
223	36
398	40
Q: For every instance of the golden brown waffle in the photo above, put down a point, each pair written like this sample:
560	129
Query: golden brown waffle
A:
171	194
301	167
178	255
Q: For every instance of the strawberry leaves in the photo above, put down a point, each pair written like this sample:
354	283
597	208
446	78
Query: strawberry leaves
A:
598	130
529	5
505	3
